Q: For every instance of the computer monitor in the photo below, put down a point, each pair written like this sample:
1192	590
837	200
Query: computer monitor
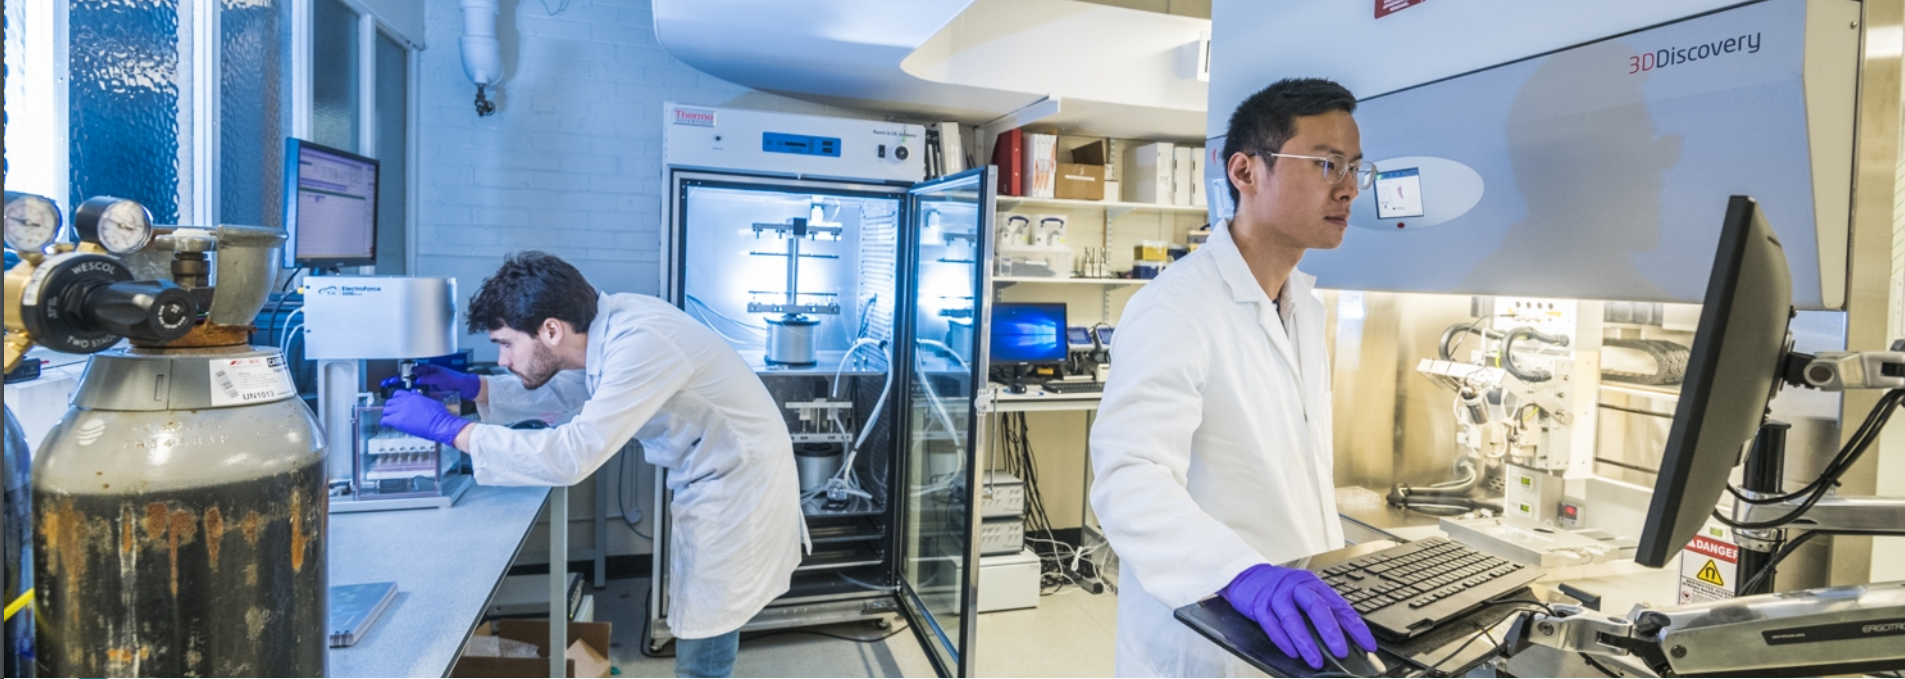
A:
1025	333
330	206
1731	375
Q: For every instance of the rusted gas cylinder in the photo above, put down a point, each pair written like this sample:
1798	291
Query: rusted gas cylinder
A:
179	520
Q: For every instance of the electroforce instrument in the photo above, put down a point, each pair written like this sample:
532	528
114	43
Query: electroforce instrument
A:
381	468
183	492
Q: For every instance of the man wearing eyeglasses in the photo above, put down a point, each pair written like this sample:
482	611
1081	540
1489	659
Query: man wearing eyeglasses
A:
1212	445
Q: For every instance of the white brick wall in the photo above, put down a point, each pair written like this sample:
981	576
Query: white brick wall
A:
571	161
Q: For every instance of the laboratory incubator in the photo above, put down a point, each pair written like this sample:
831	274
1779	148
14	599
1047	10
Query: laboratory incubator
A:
857	293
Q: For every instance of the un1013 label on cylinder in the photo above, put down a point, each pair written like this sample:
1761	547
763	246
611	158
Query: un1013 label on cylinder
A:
258	379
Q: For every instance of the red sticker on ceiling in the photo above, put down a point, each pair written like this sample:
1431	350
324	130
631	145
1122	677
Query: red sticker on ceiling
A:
1387	7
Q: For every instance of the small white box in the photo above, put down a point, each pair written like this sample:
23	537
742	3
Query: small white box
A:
1008	582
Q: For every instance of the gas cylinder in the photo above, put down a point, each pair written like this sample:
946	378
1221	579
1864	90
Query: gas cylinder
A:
16	527
180	507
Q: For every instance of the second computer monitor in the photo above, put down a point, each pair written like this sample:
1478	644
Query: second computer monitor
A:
330	206
1028	333
1731	375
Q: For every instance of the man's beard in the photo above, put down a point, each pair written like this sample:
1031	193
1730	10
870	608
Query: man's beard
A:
540	369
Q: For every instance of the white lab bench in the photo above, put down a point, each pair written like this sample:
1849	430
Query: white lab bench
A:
446	563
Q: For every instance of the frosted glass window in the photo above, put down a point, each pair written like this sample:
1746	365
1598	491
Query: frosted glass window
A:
254	109
334	86
124	102
393	80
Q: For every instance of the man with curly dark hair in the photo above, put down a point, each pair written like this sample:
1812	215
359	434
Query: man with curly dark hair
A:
634	367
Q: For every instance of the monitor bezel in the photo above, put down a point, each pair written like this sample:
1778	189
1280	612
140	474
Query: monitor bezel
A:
1063	342
292	259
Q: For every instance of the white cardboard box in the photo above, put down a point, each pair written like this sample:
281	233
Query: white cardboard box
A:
1008	582
1147	176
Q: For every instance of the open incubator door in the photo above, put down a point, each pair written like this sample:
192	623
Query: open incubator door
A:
949	224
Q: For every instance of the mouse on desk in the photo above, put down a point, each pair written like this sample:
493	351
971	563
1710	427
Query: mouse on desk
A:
1016	388
1360	663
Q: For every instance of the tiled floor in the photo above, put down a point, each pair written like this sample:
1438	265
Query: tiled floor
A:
1070	634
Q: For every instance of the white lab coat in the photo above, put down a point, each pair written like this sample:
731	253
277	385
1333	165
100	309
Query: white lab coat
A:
656	375
1211	449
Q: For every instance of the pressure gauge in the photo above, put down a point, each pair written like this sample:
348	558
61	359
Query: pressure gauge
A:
119	225
32	221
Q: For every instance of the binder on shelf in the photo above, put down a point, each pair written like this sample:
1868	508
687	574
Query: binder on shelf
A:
1181	180
1009	155
1040	173
1147	175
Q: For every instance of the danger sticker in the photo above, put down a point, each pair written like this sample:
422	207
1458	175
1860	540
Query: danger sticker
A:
260	379
1708	569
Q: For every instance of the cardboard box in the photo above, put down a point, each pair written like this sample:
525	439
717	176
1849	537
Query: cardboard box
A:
587	652
1095	153
1078	181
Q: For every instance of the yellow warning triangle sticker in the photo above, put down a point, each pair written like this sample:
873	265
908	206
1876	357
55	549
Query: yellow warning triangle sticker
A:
1711	573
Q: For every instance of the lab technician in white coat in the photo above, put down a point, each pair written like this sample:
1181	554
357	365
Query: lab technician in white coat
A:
1212	444
651	373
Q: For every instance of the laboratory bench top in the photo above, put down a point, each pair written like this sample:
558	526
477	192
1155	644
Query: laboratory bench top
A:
446	563
1036	399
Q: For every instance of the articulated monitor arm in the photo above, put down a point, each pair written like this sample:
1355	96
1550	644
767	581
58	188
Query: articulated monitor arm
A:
1833	630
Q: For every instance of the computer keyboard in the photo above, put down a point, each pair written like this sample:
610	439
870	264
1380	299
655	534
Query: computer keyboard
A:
1408	589
1073	386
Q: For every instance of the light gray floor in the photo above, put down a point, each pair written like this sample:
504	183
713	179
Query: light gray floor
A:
1070	634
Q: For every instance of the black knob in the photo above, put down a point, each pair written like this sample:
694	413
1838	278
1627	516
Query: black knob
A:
146	311
901	152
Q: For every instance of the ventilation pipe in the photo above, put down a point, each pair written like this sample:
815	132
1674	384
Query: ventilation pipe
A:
482	54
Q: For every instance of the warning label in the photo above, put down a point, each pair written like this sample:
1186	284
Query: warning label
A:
260	379
1707	570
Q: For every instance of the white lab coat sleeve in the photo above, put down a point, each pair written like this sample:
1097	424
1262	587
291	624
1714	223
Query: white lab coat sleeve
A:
509	402
1141	454
640	372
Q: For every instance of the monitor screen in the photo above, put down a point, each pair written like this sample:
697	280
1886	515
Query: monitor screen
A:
330	206
1399	193
1732	372
1028	333
1079	337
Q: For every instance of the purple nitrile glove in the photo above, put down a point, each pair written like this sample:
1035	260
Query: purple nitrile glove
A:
441	379
422	417
1280	598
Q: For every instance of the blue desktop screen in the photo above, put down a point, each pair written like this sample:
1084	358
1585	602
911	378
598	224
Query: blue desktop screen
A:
1028	333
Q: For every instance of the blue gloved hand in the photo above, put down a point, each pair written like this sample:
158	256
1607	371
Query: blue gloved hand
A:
1280	598
441	379
422	417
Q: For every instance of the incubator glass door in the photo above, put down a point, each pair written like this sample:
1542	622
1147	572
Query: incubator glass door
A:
950	224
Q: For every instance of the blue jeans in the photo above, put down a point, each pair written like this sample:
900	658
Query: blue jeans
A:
710	657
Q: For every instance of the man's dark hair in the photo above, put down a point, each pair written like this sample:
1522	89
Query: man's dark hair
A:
1268	118
530	287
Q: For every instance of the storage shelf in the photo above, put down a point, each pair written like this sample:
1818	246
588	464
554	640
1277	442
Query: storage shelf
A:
824	364
1117	208
1014	280
840	558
